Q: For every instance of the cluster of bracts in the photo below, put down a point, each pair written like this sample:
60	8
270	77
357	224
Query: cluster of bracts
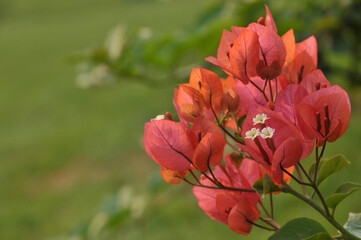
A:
271	110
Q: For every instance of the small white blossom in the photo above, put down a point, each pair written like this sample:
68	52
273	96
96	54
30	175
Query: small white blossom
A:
253	133
159	117
267	132
260	118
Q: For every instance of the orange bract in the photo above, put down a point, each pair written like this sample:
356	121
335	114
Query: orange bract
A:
244	55
172	177
209	152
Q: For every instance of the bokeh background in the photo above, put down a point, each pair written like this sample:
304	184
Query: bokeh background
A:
80	78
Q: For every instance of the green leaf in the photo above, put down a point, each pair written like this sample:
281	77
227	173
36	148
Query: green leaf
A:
298	229
269	185
265	185
311	171
353	224
237	158
241	120
258	186
320	236
329	166
341	193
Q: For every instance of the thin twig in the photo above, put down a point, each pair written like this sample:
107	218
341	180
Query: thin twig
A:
227	188
265	85
259	89
346	234
293	177
276	90
264	209
195	177
270	89
318	159
301	178
187	181
304	172
221	126
269	223
271	203
260	226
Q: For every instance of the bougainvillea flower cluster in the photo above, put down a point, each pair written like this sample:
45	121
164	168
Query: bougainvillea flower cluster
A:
269	112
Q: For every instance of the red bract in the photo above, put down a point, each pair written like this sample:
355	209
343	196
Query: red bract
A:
285	105
272	52
269	22
190	102
266	134
223	53
243	215
253	51
207	201
168	143
201	96
252	170
211	88
209	144
244	176
202	126
209	152
301	58
244	57
325	114
290	44
289	99
178	109
226	205
250	96
307	106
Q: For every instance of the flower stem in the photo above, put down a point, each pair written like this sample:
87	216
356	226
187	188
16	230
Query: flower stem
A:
346	234
259	89
271	204
301	179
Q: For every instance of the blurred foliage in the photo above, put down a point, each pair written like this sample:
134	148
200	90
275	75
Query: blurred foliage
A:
63	149
144	56
117	210
125	211
161	59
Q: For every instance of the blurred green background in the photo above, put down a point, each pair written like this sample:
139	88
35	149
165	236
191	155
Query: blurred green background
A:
66	151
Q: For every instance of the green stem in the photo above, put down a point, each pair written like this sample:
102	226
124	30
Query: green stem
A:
346	234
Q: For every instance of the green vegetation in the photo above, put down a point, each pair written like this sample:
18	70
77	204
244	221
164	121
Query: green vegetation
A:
64	149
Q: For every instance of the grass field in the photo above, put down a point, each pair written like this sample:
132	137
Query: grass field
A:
64	149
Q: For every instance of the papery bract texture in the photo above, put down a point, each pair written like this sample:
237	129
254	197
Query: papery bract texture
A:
172	177
168	143
264	148
243	215
209	152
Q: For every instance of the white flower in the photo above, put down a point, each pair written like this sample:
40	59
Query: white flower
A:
159	117
267	132
260	118
253	133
